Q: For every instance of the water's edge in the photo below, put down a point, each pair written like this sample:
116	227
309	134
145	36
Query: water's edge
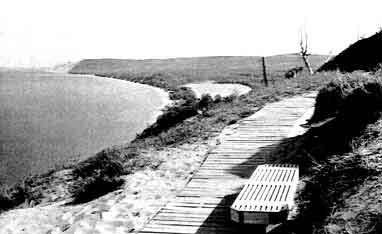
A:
157	111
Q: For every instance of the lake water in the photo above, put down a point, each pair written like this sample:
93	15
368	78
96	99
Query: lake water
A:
47	119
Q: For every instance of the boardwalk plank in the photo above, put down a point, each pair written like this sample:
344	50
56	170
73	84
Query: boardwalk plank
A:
203	205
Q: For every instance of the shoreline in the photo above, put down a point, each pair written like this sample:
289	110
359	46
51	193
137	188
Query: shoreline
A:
164	95
161	97
201	125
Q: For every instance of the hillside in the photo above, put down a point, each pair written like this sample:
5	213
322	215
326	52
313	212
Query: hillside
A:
62	67
364	54
330	154
114	182
179	71
340	159
333	200
190	121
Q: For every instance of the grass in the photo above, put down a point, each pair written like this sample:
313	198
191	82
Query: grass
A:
15	195
189	120
356	95
340	160
101	171
171	73
333	179
339	157
230	110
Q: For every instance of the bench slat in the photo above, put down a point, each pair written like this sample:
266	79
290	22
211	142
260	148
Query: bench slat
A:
270	190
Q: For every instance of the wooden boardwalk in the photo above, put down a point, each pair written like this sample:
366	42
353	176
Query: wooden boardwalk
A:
203	206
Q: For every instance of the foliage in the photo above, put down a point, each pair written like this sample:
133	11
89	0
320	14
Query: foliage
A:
205	102
184	93
332	167
337	157
95	186
218	98
97	175
183	122
171	116
172	73
20	193
358	95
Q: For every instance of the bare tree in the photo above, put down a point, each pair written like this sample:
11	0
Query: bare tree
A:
304	51
330	56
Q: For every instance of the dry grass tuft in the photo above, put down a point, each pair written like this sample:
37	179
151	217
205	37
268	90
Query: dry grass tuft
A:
355	95
188	123
341	160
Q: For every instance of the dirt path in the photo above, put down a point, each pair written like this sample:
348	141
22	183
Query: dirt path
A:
203	205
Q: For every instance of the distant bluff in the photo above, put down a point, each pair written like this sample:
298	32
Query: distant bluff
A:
365	54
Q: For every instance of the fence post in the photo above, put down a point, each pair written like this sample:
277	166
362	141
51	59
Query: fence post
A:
264	71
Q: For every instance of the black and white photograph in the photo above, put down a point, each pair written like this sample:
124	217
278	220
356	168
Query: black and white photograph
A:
190	117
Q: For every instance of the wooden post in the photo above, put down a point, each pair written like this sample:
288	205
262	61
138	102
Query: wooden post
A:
264	71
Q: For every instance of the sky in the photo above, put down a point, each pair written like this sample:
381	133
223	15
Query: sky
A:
46	32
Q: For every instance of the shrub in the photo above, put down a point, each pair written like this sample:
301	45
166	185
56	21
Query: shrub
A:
156	79
11	197
354	96
230	98
182	93
89	188
17	194
97	175
172	116
329	100
218	98
205	102
108	161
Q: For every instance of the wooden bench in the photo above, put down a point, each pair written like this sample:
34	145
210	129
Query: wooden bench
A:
268	196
